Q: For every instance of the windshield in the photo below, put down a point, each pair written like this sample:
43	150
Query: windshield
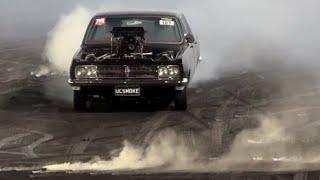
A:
158	29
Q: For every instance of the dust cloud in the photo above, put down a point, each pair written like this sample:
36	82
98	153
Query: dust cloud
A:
166	149
285	143
274	146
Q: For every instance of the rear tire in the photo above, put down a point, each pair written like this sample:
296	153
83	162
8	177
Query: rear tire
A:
79	101
180	101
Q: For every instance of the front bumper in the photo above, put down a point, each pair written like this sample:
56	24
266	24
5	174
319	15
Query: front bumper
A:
76	84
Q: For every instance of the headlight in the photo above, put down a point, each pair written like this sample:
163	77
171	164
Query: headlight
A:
86	72
169	72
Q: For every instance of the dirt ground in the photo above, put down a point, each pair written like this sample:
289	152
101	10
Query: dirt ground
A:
38	125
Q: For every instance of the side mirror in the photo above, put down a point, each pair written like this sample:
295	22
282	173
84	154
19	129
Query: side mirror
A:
189	38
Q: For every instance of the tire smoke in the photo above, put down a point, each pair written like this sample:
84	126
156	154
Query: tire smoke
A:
65	38
167	149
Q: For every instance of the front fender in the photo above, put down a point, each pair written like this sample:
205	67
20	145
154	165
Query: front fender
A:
188	61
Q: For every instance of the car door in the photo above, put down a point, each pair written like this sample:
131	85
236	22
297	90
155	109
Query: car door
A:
193	50
188	60
194	61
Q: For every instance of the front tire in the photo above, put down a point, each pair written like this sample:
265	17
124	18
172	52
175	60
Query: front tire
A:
180	101
79	101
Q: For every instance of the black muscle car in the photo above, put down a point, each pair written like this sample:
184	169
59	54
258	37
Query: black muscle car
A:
139	55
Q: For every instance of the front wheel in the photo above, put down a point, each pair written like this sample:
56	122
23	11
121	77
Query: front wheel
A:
79	101
180	101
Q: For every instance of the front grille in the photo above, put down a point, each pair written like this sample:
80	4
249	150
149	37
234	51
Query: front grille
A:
130	71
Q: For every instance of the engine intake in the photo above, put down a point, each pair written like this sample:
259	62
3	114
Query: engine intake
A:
127	40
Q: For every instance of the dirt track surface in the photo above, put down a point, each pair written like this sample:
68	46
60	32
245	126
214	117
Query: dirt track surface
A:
38	125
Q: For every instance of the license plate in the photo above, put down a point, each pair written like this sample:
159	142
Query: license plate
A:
127	91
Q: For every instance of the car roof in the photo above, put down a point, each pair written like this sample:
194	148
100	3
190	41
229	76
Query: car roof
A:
139	13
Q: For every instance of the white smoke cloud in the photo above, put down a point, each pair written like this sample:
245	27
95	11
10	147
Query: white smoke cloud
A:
243	34
66	37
